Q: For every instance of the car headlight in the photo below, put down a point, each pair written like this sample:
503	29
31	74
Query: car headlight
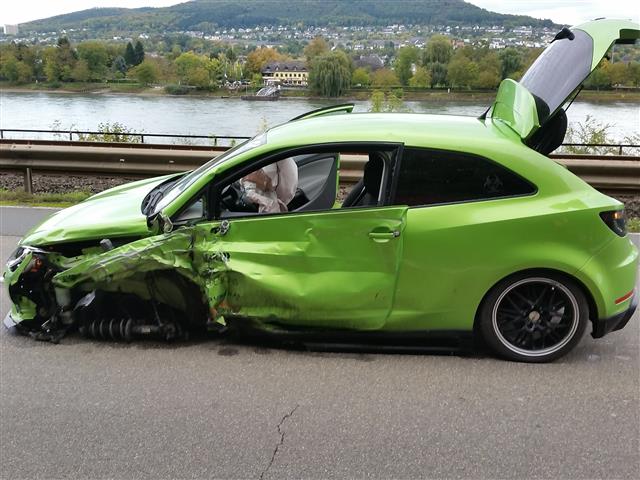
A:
16	258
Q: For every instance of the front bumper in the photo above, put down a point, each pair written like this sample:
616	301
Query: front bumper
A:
9	322
603	326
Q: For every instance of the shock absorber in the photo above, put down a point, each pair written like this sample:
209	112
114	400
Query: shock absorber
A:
127	329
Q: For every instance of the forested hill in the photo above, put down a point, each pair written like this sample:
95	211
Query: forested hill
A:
209	15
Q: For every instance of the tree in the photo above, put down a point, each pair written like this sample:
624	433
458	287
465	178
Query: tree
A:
119	66
81	71
510	62
138	52
633	74
59	61
422	78
438	73
384	78
489	67
438	50
330	74
15	70
197	70
146	73
260	57
95	55
130	55
617	72
360	77
406	58
461	71
316	47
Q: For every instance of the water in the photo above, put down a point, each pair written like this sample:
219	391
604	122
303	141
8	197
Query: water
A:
231	116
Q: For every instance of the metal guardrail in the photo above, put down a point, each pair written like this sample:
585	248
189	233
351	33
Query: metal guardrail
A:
60	134
141	135
606	172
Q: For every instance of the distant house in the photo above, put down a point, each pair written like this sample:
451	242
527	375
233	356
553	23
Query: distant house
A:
289	74
11	30
371	62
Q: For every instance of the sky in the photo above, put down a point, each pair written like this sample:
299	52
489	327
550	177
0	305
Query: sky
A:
566	12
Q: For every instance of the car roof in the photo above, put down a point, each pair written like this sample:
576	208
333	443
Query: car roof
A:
412	129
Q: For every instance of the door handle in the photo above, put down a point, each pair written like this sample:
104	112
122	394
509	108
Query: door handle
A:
382	236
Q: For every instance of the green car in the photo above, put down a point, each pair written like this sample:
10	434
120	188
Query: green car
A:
460	227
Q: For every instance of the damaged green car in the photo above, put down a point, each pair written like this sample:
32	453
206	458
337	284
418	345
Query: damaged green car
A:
459	226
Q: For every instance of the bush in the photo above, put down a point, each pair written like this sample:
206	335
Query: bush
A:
176	89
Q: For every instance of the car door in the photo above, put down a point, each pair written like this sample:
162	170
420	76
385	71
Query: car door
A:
332	269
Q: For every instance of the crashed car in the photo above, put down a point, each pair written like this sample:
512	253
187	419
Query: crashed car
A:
459	226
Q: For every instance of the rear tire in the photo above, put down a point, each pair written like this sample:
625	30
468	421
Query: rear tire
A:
534	317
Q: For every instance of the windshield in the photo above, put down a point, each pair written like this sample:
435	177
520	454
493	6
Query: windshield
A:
186	181
559	70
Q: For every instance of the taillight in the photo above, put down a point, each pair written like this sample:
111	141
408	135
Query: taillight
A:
616	221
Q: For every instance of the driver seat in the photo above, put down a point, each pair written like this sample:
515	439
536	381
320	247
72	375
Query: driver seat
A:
367	190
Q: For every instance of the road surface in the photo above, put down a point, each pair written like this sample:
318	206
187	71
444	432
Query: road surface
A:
88	409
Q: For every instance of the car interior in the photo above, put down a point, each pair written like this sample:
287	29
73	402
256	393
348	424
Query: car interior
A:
317	188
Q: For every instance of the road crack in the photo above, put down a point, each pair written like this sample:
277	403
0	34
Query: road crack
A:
280	443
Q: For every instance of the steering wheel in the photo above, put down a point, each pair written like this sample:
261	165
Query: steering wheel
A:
230	196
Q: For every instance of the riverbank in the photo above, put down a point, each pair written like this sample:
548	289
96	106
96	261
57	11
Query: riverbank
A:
409	94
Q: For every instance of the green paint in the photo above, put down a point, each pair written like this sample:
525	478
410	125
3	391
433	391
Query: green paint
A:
340	268
605	32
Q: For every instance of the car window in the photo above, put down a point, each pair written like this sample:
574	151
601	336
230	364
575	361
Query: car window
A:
431	177
297	183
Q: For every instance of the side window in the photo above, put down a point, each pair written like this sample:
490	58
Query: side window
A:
298	183
431	177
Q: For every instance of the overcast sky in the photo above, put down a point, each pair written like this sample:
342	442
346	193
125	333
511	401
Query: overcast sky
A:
569	12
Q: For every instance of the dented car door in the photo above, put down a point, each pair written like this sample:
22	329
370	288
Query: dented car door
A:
331	269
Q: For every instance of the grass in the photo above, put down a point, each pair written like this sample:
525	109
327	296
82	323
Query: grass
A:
633	224
60	200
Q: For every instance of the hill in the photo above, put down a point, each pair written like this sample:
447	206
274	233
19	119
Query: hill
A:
209	15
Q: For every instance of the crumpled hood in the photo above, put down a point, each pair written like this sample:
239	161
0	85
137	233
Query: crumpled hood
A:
112	213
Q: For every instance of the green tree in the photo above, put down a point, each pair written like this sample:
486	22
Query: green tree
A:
406	58
146	73
95	55
197	70
438	49
330	74
130	55
599	78
119	66
461	71
81	71
59	61
384	78
489	67
422	78
138	52
316	47
360	77
633	74
510	62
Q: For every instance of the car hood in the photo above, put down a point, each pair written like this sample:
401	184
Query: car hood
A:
554	77
109	214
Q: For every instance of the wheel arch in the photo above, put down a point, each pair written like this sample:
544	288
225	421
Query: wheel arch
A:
591	303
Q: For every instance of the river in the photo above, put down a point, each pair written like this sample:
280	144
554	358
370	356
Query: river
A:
232	116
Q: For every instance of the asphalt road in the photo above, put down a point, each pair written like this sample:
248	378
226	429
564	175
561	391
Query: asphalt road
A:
86	409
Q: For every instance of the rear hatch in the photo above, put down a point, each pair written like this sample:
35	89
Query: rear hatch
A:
533	106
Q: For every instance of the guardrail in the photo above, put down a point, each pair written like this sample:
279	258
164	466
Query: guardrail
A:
61	135
80	134
608	173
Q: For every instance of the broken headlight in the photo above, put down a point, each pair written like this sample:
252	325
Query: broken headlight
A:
16	258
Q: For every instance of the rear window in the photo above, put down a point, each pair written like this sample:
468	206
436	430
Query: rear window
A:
560	69
431	177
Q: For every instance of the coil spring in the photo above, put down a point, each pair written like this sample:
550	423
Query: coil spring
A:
109	329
